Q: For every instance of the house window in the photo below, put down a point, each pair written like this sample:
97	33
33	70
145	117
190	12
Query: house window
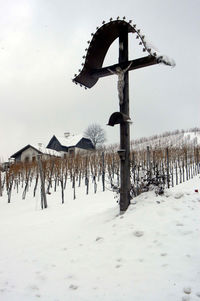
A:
71	151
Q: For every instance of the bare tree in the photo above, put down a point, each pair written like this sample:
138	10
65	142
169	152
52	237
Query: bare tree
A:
96	134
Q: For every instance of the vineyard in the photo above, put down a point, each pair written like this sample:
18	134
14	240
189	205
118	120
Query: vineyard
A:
151	168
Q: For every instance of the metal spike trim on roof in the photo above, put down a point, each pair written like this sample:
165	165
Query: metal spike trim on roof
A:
139	35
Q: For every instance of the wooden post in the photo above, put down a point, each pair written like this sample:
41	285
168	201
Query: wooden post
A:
0	185
124	127
103	171
176	173
74	186
167	155
197	161
43	194
186	165
62	188
149	172
11	179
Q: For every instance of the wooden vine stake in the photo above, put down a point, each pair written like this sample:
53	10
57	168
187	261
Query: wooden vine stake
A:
43	193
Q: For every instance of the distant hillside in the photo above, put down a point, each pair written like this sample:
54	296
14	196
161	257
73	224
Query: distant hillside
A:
178	138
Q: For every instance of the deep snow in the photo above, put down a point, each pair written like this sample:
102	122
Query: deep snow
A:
83	250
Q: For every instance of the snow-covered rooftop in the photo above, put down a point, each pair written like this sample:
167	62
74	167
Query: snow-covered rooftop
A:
46	151
71	140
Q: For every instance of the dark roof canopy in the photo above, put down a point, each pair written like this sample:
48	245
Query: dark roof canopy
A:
101	41
98	48
23	149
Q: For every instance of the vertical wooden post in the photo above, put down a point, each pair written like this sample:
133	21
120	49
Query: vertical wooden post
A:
149	171
124	127
167	155
43	194
74	186
62	188
197	160
103	171
86	176
176	174
0	185
186	165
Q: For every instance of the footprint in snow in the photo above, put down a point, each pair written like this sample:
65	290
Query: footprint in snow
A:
178	195
163	254
41	277
187	232
187	290
186	298
177	209
138	233
34	287
198	294
99	238
73	287
70	276
119	259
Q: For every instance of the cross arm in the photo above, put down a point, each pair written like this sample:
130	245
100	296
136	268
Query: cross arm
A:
135	64
89	77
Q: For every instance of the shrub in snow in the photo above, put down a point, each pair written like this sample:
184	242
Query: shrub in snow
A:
148	182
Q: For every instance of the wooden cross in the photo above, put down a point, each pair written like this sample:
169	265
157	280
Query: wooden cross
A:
93	70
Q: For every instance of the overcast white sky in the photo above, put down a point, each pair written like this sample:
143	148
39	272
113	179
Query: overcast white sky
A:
41	47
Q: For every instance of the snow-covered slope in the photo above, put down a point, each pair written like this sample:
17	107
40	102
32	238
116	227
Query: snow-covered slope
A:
83	250
169	139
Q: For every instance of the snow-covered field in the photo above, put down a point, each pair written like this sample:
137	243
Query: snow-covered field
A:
188	138
83	250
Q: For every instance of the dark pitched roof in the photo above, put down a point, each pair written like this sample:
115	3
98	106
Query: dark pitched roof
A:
71	141
23	149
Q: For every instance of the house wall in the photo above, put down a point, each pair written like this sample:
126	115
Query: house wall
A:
28	154
18	158
82	151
